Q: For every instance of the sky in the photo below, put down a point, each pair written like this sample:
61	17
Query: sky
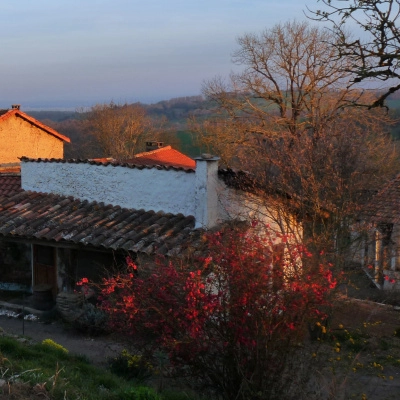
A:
66	54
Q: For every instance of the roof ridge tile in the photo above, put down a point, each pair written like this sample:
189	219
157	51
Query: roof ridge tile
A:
114	164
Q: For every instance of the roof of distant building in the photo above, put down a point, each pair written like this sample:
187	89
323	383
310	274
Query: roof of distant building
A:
10	168
5	114
103	159
166	156
385	205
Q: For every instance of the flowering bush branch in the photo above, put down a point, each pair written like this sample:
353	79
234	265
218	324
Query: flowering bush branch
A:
232	317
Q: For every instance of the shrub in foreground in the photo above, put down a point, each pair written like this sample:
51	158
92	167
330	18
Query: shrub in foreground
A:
231	320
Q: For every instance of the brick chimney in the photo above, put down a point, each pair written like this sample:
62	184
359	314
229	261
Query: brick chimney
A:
150	146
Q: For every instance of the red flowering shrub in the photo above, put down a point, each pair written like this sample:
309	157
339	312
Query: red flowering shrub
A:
232	318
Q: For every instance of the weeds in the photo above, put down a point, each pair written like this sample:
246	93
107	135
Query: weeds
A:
92	320
362	349
54	345
49	369
348	352
131	366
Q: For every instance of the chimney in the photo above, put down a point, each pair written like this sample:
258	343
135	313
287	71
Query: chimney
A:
15	106
206	191
150	146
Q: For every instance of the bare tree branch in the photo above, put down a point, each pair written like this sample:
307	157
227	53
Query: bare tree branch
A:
288	118
375	55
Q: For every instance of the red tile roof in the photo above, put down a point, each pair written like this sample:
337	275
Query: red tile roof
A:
241	180
163	156
10	170
5	114
105	164
103	159
385	205
60	219
10	184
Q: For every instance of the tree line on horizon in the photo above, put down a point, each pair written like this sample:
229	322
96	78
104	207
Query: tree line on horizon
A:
177	112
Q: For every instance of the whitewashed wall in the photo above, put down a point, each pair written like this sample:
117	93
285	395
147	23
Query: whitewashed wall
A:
150	189
171	191
238	205
201	193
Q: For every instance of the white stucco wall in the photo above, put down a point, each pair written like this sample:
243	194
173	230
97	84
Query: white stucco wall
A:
150	189
235	204
171	191
200	194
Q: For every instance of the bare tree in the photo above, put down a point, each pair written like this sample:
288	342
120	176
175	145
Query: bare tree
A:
286	118
325	180
288	70
121	129
81	146
375	52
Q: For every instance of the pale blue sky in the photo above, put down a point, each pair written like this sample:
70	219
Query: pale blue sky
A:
71	53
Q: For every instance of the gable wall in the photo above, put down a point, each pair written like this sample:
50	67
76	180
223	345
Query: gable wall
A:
20	138
149	189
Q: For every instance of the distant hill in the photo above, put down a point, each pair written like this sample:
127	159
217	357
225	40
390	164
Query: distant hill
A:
177	111
56	116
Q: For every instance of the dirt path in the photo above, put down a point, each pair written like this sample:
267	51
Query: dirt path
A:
97	349
372	369
381	319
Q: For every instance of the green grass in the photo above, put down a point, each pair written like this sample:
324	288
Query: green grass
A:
64	375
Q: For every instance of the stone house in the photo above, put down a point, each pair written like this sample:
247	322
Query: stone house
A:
22	135
78	218
377	237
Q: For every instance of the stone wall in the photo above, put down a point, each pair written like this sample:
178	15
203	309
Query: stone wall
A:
20	138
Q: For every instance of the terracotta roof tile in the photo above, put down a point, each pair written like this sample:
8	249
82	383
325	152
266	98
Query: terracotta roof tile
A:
385	205
33	121
241	180
10	184
10	169
166	156
31	215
